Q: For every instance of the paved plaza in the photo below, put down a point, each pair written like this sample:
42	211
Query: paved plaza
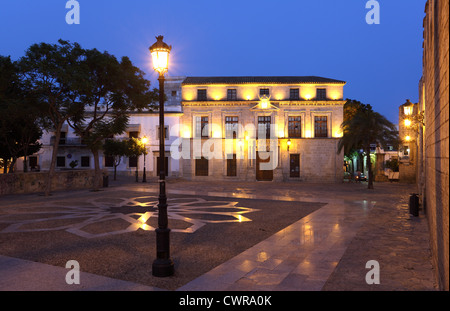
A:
239	236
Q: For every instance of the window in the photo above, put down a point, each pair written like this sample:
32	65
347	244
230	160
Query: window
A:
231	127
166	132
174	93
61	161
33	163
231	165
132	161
133	135
295	127
231	94
201	127
264	91
320	126
85	161
264	127
294	94
201	167
109	161
201	94
62	138
321	94
406	150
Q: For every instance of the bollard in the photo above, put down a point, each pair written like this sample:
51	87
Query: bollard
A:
414	205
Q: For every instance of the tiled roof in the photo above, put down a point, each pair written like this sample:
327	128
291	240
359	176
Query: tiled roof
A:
261	80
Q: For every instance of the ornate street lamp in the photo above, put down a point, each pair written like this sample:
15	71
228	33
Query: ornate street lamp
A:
144	142
162	266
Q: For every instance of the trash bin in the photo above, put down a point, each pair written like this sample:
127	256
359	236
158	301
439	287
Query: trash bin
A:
105	181
414	205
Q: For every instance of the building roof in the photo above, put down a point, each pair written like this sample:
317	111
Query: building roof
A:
259	80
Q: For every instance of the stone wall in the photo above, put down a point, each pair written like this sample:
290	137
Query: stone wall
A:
436	135
33	182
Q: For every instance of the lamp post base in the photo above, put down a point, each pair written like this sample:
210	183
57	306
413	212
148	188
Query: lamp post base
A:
163	266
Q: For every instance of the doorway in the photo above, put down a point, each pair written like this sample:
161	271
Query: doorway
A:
261	158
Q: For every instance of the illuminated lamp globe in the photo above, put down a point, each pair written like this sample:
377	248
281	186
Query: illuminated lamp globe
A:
160	55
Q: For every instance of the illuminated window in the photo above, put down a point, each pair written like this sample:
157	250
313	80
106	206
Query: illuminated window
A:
201	94
295	127
321	94
264	91
294	94
320	126
231	94
264	126
231	127
201	127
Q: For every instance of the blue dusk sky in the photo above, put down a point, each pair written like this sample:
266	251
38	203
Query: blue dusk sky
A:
382	63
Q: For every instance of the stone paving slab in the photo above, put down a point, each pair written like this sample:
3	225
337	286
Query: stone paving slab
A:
386	233
300	257
23	275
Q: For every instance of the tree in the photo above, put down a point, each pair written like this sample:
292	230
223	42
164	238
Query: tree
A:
20	117
112	90
367	127
115	149
53	73
123	148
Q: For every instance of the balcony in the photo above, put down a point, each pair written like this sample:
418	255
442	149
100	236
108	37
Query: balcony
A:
68	142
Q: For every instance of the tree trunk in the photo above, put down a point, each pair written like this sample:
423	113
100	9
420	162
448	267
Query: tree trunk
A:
369	170
51	171
11	165
97	173
25	164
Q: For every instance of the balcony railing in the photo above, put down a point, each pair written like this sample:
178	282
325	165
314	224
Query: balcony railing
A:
69	141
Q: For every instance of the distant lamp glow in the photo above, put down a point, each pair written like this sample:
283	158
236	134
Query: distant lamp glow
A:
144	140
408	110
160	55
264	104
289	144
187	134
408	138
407	122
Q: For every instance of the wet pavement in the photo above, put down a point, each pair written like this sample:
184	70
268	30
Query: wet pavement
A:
321	237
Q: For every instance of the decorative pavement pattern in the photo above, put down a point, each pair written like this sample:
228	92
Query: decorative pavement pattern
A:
136	212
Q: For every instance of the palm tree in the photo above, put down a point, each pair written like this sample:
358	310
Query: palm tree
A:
367	127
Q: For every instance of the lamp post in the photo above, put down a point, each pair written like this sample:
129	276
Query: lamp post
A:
163	265
144	175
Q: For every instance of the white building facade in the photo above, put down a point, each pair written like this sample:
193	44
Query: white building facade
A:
229	128
262	128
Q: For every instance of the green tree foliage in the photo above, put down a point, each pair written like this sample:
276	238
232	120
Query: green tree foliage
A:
52	71
112	90
20	117
123	148
364	128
